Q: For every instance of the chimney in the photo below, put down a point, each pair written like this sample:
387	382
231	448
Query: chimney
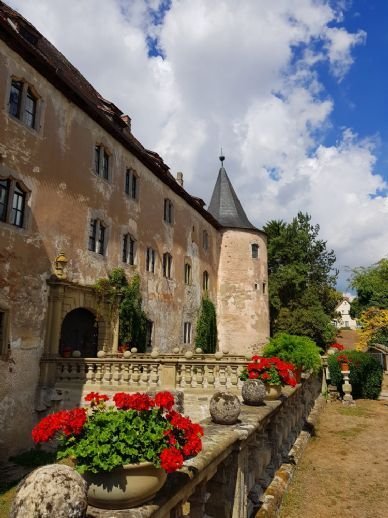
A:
179	178
127	120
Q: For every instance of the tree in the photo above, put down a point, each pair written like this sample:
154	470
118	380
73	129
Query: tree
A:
371	284
301	280
206	336
371	304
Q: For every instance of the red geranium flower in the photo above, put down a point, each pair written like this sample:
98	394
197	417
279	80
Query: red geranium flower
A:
171	459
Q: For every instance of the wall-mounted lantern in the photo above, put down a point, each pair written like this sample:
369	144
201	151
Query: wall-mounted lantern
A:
60	263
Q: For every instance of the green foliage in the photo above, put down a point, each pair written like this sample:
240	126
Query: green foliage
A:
366	374
113	438
124	300
206	336
301	280
299	350
34	458
371	284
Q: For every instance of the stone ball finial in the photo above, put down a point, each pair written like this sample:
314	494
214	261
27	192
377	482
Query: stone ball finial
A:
101	354
53	490
127	354
188	355
224	408
176	350
154	353
218	355
134	350
198	350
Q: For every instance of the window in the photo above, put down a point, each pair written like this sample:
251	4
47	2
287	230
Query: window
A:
187	333
128	249
131	184
205	240
150	260
167	263
97	237
168	211
264	288
23	103
255	251
12	202
187	273
3	331
101	162
205	281
149	332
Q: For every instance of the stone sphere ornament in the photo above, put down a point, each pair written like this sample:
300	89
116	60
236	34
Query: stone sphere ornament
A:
101	354
253	392
189	354
127	354
55	490
224	408
176	350
198	350
134	350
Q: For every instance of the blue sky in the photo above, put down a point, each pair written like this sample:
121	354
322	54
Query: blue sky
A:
293	90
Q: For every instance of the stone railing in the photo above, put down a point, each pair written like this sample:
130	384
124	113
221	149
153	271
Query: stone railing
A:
229	477
146	371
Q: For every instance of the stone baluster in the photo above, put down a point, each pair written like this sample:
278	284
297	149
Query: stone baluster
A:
135	374
99	373
199	375
233	376
90	374
210	378
222	376
154	377
125	373
145	375
179	375
188	375
117	374
107	373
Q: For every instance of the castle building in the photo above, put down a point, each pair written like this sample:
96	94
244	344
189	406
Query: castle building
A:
79	196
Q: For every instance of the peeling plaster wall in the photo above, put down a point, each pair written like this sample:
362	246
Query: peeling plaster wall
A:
56	165
242	304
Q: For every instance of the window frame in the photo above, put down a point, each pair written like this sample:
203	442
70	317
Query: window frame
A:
15	202
27	95
205	280
128	255
97	236
255	250
102	162
150	260
4	331
188	273
167	265
131	186
187	332
205	240
168	215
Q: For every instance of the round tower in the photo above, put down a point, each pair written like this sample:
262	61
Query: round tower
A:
242	281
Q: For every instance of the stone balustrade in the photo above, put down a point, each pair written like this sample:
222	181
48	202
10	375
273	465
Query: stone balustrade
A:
229	477
143	371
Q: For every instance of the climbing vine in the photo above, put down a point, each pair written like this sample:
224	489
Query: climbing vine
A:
122	299
206	337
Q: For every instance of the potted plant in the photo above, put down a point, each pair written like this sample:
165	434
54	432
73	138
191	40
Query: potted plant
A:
113	445
335	348
343	360
273	372
301	351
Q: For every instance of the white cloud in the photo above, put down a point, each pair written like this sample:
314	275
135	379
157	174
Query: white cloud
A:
243	78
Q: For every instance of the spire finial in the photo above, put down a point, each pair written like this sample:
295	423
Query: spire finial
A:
222	158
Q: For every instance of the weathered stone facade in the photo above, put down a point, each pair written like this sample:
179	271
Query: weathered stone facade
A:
58	142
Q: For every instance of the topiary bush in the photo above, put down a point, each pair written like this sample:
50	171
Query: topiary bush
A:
302	351
366	373
206	336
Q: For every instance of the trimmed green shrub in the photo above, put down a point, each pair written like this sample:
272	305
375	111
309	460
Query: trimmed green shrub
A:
206	336
366	374
299	350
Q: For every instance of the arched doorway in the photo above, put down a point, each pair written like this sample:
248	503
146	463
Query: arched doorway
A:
79	332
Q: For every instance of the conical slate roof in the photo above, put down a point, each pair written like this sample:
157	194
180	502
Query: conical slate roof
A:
225	206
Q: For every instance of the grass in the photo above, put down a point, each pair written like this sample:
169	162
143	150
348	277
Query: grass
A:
355	411
7	493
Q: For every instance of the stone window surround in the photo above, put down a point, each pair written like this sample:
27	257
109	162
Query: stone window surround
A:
5	175
168	214
150	259
205	240
39	104
255	250
167	265
205	280
188	272
129	249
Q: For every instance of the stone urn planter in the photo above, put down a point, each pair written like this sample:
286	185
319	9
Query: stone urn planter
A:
224	408
272	392
253	392
126	487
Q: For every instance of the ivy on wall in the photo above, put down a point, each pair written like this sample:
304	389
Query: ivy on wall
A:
122	299
206	337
